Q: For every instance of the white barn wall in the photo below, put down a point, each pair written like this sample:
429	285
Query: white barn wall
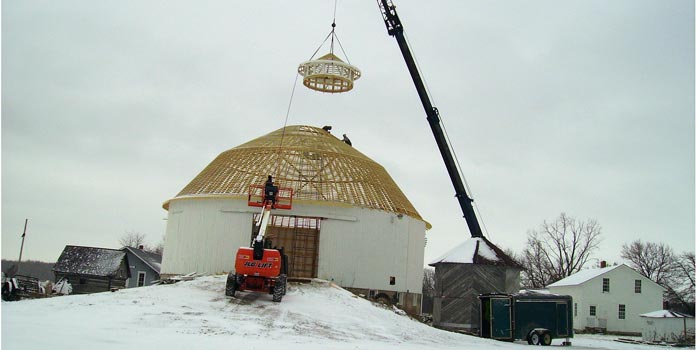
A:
621	292
358	247
202	238
365	253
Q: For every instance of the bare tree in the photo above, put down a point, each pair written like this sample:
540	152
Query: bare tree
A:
676	273
654	261
157	249
558	249
537	272
429	281
132	239
682	291
685	267
428	289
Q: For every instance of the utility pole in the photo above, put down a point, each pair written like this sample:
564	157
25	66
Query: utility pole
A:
24	233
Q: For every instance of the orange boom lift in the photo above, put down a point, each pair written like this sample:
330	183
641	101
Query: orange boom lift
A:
259	269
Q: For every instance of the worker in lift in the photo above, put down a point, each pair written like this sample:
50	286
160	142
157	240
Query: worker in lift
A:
270	191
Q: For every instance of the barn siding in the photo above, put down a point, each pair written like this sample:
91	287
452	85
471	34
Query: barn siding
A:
456	304
91	284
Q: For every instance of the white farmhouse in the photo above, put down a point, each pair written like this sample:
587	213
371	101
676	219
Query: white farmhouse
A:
610	298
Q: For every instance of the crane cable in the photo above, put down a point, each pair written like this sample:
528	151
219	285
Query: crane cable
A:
294	86
284	128
449	142
334	37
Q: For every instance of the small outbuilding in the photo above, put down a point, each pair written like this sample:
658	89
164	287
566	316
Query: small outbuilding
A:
667	326
92	270
475	267
144	267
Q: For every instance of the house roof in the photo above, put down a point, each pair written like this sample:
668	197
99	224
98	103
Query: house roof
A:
476	250
582	276
151	259
90	261
666	314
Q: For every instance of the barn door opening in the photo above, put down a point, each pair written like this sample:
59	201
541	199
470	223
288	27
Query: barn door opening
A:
299	237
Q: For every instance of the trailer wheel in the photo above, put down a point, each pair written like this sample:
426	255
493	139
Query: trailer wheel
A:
546	339
231	284
278	291
533	338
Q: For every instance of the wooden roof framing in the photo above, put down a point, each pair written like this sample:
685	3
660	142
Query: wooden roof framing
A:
317	165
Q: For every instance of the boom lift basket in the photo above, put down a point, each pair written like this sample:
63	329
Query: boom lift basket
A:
283	200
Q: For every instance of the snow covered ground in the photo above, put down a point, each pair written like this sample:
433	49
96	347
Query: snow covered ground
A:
197	315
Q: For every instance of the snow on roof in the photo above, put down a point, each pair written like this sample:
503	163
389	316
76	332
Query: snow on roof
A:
582	276
151	259
535	291
476	250
666	314
89	261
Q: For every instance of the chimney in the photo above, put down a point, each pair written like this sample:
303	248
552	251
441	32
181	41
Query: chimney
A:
141	248
603	264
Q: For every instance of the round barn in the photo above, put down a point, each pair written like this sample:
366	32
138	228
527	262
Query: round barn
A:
349	223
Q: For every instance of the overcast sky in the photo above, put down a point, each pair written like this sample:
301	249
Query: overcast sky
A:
109	108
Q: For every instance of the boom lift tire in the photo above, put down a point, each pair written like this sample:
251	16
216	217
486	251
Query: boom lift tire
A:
231	284
283	278
278	291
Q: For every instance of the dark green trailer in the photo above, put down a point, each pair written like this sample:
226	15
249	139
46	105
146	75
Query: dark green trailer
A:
535	317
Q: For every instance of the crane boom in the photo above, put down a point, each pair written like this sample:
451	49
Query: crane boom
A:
395	29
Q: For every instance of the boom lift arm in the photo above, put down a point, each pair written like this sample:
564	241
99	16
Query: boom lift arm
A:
395	29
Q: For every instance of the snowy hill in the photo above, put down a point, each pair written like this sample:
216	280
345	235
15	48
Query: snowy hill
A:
197	315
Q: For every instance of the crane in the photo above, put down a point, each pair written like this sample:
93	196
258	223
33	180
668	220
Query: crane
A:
395	29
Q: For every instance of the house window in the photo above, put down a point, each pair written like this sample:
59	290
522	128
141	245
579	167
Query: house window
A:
606	285
592	310
621	311
575	309
637	286
141	280
392	280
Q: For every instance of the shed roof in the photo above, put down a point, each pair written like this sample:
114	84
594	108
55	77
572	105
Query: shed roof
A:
152	260
90	261
476	250
666	314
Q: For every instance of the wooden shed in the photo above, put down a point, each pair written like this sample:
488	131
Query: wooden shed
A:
475	267
92	270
